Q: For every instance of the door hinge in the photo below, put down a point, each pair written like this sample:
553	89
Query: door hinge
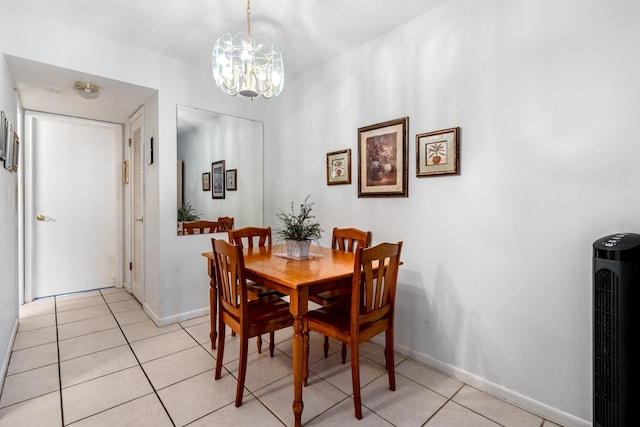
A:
130	266
129	142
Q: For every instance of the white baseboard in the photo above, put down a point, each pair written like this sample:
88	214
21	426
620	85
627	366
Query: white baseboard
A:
180	317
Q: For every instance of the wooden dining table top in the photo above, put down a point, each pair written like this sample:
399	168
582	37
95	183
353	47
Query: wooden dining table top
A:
323	265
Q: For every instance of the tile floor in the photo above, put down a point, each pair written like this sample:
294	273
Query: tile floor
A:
96	359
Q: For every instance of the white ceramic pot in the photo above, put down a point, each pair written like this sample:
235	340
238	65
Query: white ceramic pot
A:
298	248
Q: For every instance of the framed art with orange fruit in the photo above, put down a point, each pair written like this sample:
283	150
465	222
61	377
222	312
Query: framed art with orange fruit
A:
339	167
438	153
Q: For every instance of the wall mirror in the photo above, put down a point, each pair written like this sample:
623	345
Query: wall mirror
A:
220	168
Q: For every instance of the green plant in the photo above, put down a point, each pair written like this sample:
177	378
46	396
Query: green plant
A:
186	212
300	226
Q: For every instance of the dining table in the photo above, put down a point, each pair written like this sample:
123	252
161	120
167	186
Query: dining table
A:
324	269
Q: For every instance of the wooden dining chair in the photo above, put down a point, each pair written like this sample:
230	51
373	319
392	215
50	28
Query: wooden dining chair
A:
343	239
225	223
200	227
373	293
248	237
248	318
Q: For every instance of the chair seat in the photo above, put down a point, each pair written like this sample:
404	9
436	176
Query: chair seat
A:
327	298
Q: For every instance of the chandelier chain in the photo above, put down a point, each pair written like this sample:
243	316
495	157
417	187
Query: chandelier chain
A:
249	18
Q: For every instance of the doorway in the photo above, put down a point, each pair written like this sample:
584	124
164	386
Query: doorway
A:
73	199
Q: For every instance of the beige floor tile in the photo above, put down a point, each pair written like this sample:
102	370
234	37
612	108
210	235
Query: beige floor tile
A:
318	397
162	345
495	409
74	304
77	295
91	343
200	332
409	405
453	414
195	321
38	308
103	393
131	316
117	297
82	314
178	366
34	337
87	326
95	365
146	411
332	370
36	322
343	415
120	306
33	357
29	384
198	396
147	329
251	413
43	411
262	369
375	352
436	381
112	290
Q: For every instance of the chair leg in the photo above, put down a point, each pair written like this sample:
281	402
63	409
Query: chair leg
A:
242	370
220	351
326	346
391	368
355	379
272	342
259	344
305	352
343	353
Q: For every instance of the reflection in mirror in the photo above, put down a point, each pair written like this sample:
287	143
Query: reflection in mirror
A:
204	138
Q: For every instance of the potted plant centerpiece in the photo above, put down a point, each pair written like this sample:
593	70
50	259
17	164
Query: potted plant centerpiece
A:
186	213
298	230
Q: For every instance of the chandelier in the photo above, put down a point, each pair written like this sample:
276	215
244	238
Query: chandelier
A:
247	65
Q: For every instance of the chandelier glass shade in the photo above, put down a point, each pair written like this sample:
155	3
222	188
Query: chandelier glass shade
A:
247	65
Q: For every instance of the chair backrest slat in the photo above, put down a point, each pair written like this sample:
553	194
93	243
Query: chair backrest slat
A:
350	239
374	281
232	285
246	237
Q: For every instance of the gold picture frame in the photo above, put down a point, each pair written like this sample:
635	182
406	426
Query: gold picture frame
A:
383	159
438	153
206	181
339	167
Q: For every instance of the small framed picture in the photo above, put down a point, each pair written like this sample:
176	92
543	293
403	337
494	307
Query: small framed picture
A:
339	167
232	179
16	151
206	181
383	159
438	153
8	150
3	136
217	178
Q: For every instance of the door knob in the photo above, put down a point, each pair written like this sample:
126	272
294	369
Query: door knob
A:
41	217
141	219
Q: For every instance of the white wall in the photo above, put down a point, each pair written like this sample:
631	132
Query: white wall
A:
8	232
496	282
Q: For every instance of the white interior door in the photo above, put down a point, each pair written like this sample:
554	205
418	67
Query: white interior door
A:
74	204
137	205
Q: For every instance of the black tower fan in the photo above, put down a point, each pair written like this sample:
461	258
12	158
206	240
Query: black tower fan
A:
616	317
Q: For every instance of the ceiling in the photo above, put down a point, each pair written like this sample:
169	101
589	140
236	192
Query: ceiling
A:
309	33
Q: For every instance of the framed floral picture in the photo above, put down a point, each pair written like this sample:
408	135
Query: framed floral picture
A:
232	179
383	159
206	181
339	167
217	179
438	153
